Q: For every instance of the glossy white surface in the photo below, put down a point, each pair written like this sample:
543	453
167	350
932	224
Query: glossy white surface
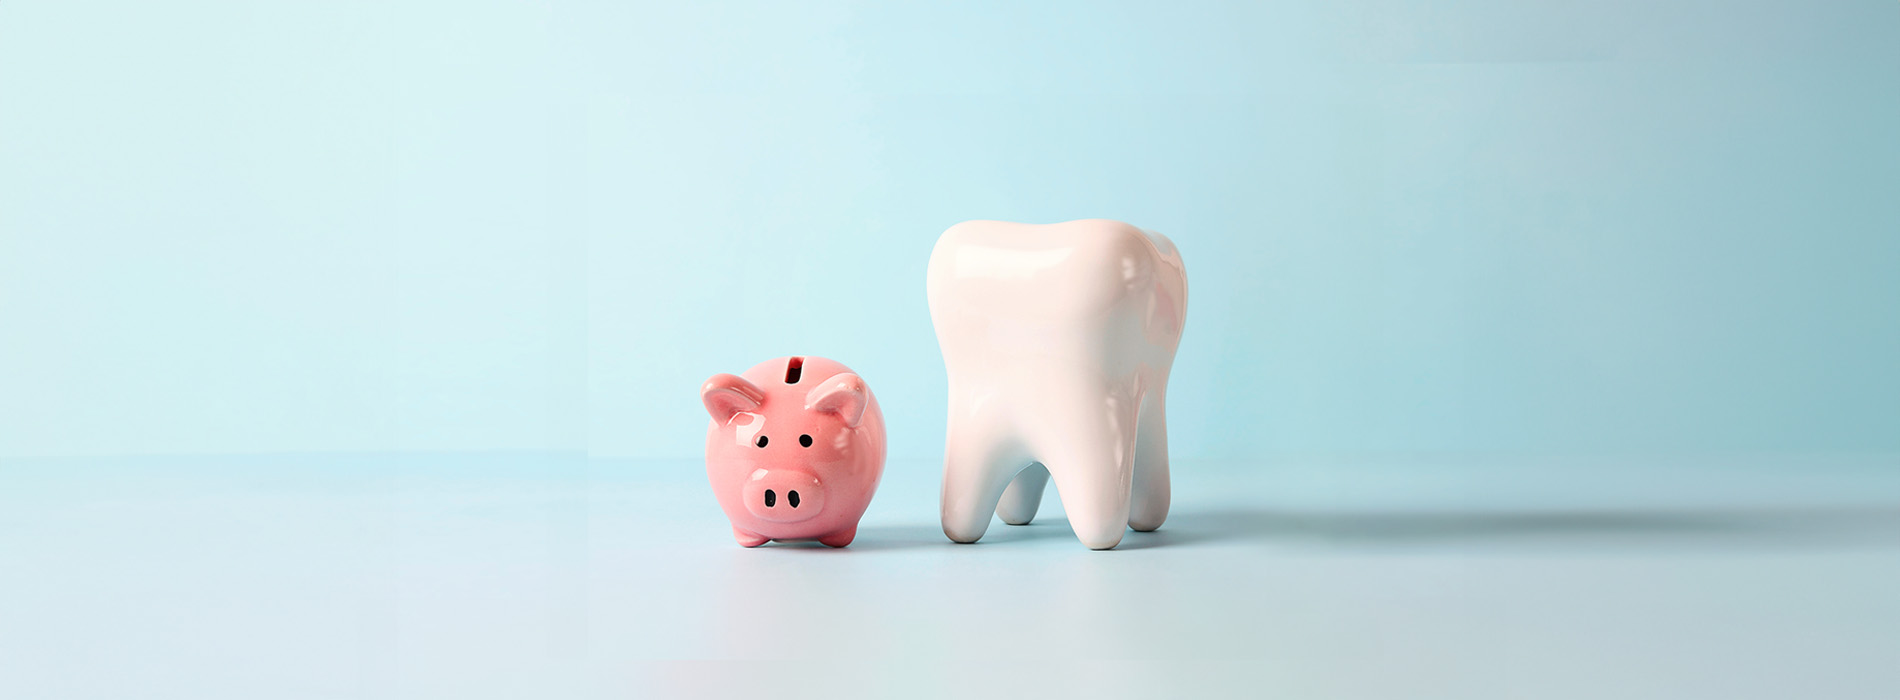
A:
1057	340
549	575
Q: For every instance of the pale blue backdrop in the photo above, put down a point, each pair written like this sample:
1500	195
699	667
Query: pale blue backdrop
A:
1473	226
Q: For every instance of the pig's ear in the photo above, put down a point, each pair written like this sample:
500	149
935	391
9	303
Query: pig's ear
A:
726	395
843	395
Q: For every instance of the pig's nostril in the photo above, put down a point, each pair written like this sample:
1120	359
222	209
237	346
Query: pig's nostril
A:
792	498
771	499
804	441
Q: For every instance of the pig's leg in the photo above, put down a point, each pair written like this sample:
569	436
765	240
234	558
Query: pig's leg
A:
1150	499
1023	496
839	539
749	539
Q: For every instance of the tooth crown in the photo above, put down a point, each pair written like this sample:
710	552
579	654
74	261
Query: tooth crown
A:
1057	340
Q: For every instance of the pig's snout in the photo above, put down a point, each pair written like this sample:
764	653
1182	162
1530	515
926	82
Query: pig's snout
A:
784	496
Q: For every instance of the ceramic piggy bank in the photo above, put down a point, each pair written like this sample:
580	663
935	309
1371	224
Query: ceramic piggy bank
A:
795	450
1057	340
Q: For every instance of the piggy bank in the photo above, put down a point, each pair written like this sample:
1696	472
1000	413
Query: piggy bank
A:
795	450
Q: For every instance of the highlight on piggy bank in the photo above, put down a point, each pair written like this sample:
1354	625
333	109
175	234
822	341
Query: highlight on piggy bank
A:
794	451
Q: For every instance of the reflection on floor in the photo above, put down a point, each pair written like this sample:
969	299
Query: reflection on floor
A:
552	574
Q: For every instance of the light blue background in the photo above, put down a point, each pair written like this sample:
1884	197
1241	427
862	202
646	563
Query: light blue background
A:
1567	227
1515	331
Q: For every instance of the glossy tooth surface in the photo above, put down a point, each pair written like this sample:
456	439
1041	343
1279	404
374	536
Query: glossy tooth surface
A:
1057	340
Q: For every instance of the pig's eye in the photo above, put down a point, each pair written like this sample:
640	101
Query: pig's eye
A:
761	440
804	441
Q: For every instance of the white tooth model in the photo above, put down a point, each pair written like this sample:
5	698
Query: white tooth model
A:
1057	339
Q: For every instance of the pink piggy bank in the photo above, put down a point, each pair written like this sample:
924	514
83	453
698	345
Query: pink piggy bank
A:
795	450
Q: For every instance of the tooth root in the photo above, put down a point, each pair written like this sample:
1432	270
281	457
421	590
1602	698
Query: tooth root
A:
1149	507
978	461
1090	452
1024	495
